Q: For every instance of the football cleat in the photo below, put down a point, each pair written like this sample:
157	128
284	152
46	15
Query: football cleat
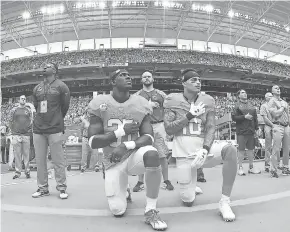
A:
198	190
226	211
152	218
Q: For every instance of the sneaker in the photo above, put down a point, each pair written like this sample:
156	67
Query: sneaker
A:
15	177
274	174
241	172
40	193
254	171
152	218
280	167
27	175
201	179
167	185
63	194
128	195
139	187
198	190
226	211
97	168
267	169
285	171
82	171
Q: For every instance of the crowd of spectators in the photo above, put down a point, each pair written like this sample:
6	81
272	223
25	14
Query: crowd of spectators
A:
225	105
79	104
121	56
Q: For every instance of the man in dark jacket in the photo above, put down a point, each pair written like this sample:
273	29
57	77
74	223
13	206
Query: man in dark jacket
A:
51	100
246	119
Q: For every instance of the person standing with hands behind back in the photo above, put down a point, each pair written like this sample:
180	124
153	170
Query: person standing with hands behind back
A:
279	110
246	119
51	100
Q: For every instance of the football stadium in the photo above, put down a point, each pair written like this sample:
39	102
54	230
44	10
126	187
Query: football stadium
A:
207	149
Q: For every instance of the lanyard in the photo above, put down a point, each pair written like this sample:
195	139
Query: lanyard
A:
46	89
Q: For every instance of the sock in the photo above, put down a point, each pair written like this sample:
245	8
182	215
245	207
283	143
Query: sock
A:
150	204
251	158
225	198
152	181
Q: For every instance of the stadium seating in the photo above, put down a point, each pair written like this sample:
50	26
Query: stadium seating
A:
111	56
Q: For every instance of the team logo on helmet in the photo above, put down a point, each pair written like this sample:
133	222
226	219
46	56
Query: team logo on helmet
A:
103	107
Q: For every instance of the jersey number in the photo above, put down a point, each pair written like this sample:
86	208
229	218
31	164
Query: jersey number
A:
193	128
119	123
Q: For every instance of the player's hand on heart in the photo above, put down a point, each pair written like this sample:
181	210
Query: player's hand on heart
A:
248	116
154	104
199	158
197	110
118	153
131	128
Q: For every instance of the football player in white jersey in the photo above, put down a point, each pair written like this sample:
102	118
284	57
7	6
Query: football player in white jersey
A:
120	124
190	117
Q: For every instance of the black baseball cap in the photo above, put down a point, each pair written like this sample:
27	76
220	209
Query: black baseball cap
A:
188	74
116	73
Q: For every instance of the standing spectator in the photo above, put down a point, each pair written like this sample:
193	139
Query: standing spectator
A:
268	129
51	100
246	119
156	99
279	110
21	125
3	146
86	149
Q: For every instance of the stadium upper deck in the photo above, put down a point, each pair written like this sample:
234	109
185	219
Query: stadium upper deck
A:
251	28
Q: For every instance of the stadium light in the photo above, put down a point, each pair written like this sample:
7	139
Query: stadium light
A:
231	13
209	8
26	15
102	5
165	4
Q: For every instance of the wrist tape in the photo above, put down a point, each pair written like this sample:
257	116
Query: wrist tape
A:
119	132
130	145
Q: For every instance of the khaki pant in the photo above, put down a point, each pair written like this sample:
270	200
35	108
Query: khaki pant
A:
21	147
281	136
268	144
41	143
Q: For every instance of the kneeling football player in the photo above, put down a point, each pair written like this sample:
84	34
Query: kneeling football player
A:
120	124
190	117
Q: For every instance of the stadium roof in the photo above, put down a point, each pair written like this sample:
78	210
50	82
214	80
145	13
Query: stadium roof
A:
255	24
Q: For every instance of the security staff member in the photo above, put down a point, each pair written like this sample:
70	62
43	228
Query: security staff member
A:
51	100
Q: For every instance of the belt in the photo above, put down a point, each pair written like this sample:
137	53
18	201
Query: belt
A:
156	122
280	124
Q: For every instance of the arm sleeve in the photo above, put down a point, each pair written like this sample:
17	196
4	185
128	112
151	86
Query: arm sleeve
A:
65	99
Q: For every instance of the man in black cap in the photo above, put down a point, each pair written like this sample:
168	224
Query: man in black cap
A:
120	124
51	100
190	117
